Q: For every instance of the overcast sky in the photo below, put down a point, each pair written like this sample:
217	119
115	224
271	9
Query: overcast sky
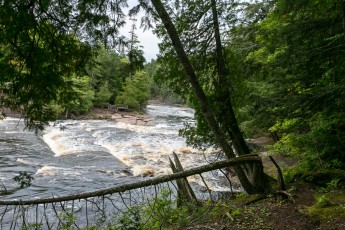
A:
147	39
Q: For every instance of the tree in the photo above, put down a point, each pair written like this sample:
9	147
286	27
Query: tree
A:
41	45
159	89
107	67
299	56
77	98
135	53
203	29
251	186
103	95
136	91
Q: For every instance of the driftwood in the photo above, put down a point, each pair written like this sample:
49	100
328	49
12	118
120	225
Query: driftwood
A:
185	192
126	187
117	108
122	108
113	108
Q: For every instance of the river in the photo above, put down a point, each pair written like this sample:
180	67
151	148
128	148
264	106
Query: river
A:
74	156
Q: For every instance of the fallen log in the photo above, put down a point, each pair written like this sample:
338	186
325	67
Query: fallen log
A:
154	181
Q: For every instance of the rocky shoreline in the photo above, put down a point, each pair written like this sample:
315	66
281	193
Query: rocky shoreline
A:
133	118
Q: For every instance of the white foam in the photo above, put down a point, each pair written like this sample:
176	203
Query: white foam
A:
52	134
145	170
142	129
64	142
165	110
54	171
47	171
25	161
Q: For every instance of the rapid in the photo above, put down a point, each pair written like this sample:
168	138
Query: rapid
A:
74	156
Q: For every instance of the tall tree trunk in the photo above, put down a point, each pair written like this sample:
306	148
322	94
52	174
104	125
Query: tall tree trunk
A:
205	108
343	10
223	89
227	117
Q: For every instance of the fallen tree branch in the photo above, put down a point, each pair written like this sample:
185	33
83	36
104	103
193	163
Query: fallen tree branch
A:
281	182
185	191
285	194
154	181
262	197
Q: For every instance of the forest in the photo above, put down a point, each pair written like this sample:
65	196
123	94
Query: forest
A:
249	69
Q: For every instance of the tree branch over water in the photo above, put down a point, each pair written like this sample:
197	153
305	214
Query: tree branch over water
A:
158	180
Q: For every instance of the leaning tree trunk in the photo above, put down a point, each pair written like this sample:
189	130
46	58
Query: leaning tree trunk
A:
247	183
227	118
223	90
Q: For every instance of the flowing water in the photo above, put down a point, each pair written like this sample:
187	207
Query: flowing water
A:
84	155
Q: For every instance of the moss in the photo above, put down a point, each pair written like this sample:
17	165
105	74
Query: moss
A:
339	198
241	198
328	206
328	212
320	177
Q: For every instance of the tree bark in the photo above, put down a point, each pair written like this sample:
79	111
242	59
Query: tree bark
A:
343	10
254	172
223	89
205	108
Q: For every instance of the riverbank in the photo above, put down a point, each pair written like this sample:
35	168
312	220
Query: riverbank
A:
305	212
311	207
133	118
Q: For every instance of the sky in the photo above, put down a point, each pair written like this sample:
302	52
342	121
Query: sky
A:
147	39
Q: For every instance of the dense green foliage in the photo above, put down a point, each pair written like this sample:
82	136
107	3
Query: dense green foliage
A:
42	48
32	71
136	91
103	95
107	72
80	98
50	66
296	80
284	69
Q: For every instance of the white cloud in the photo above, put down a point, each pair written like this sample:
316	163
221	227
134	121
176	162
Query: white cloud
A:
150	43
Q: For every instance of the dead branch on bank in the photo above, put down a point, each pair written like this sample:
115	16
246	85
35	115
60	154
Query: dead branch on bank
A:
185	191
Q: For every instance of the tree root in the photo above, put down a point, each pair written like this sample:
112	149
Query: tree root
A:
277	194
